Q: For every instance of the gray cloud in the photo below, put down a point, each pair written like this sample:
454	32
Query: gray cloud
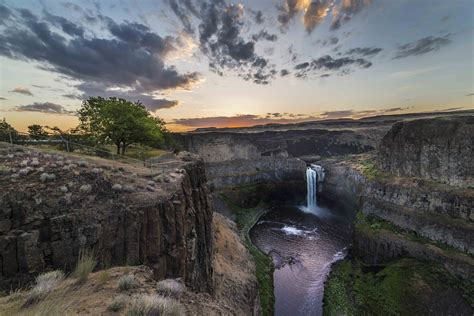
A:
151	102
133	59
259	19
343	65
328	41
263	34
184	9
5	13
73	96
337	114
46	107
221	39
162	104
2	98
284	72
470	94
422	46
22	90
364	51
67	26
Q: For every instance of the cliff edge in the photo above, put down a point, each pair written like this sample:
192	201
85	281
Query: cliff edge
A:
54	205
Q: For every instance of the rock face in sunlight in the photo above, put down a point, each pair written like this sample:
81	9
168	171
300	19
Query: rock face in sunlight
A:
440	149
124	215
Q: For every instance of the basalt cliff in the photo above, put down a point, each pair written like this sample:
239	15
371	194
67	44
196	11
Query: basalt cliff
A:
52	206
414	200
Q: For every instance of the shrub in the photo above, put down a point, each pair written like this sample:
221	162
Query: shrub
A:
118	303
144	305
170	287
44	284
85	265
126	283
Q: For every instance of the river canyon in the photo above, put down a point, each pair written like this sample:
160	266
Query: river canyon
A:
337	217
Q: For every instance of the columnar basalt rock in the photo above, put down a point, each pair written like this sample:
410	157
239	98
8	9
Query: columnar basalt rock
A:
440	149
168	229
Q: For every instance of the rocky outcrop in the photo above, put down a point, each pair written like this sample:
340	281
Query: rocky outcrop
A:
116	210
440	149
379	246
269	169
438	212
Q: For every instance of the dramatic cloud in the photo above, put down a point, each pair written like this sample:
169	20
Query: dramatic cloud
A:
265	36
184	9
2	98
364	51
422	46
221	41
346	11
314	12
131	59
22	90
46	107
221	38
343	65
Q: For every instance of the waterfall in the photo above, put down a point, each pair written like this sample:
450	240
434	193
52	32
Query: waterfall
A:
314	177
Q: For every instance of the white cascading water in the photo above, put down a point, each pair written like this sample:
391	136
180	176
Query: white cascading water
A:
314	177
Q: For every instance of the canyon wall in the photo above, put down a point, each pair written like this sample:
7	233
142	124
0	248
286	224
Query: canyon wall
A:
404	210
440	149
268	169
221	146
52	206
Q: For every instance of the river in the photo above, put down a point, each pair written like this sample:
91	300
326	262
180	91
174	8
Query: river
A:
303	245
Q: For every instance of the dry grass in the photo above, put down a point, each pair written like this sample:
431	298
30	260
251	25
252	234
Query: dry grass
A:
104	276
45	284
118	303
145	305
170	287
86	263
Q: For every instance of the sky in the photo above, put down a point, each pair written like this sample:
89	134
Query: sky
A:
219	63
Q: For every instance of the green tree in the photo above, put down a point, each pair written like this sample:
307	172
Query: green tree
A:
37	131
6	130
120	121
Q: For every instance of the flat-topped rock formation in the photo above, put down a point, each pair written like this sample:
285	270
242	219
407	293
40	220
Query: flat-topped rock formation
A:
54	205
440	149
